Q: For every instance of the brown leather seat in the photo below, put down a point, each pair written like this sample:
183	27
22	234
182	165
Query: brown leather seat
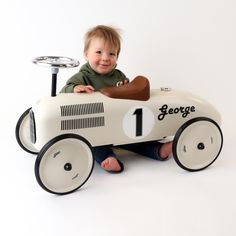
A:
137	89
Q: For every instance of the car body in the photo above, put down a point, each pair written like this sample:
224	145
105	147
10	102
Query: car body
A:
102	120
63	129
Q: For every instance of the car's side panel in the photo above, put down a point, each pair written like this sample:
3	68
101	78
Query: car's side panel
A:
102	120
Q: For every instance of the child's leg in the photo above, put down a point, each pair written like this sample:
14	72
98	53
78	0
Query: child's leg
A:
153	149
105	156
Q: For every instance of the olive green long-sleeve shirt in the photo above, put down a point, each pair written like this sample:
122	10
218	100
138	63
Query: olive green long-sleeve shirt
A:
87	76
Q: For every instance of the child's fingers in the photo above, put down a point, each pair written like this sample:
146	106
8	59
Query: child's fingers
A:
82	88
89	89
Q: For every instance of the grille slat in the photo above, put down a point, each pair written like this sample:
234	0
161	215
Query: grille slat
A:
82	109
82	123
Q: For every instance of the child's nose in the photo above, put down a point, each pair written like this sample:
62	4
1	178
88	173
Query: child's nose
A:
105	56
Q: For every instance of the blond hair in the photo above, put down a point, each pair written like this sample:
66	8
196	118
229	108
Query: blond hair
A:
107	33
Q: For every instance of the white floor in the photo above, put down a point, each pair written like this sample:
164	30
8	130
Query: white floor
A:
148	198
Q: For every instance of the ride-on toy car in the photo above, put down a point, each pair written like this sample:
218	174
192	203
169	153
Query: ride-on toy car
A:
63	129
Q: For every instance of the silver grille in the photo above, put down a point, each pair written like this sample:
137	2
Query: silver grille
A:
82	123
82	109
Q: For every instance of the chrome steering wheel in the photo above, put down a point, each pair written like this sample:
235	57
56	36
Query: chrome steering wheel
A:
56	61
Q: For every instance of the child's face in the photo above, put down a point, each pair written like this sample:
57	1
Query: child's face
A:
101	56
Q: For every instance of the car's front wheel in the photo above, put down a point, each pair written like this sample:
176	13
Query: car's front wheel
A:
197	144
64	164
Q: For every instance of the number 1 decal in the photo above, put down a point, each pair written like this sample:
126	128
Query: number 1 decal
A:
138	122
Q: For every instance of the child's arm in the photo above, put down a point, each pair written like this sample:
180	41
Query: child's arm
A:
76	80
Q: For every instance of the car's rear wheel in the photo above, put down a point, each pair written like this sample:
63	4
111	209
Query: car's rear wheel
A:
22	132
64	164
197	144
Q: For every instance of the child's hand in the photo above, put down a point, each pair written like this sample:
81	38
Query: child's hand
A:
126	81
83	89
120	83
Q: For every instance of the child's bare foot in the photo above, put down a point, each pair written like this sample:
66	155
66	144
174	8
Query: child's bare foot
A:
111	164
165	150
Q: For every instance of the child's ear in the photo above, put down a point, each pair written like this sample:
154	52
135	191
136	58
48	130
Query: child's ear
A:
86	55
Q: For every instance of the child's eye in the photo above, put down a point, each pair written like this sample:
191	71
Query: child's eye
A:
112	54
98	52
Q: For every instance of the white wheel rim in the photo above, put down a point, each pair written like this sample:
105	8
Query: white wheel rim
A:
199	145
70	152
24	134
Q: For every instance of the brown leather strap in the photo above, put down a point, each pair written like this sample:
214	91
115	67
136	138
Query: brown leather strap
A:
137	89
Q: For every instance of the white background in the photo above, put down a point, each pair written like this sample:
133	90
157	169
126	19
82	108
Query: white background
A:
185	44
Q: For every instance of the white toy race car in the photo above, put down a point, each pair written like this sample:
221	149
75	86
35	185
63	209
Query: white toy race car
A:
63	129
